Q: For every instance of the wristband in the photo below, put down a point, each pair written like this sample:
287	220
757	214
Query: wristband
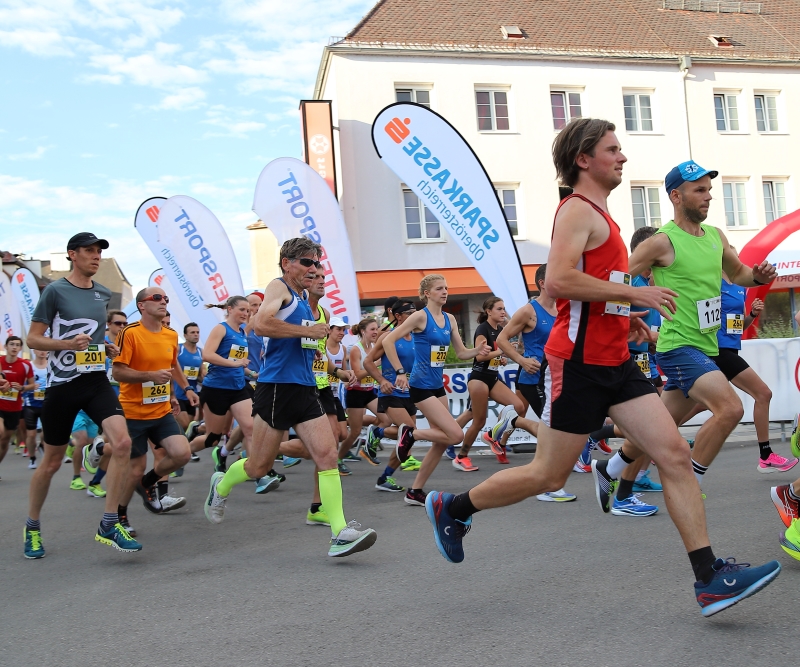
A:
400	371
758	283
753	315
189	389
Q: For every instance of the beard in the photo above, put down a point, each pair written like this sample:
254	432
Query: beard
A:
693	214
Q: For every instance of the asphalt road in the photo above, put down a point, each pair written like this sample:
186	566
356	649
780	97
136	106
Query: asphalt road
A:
542	583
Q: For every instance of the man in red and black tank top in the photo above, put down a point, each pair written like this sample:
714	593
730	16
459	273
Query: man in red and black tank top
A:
591	375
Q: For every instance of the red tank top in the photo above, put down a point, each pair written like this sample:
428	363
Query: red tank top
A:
583	331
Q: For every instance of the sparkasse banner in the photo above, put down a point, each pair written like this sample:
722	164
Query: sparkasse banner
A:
26	292
294	200
10	323
435	161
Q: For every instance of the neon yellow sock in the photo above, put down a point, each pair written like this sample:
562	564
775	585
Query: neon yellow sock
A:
330	493
235	475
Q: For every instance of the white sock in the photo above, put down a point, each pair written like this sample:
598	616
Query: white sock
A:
616	464
640	474
699	478
223	452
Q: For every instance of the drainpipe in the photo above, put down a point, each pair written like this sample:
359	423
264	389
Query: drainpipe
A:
685	62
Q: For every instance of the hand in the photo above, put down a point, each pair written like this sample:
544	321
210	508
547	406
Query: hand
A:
660	298
530	365
349	378
16	385
764	272
112	351
402	382
81	342
757	306
503	360
639	331
317	331
387	387
192	397
239	363
485	350
176	407
5	385
161	377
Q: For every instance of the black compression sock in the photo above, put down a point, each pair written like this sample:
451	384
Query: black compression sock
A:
150	478
212	439
315	507
461	507
122	510
764	450
625	489
702	560
603	433
163	489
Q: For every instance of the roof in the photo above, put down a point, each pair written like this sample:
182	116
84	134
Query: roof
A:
767	31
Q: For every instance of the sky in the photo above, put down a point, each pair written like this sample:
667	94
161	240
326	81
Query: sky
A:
106	103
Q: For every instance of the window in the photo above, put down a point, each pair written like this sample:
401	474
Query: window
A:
418	95
646	206
774	199
726	110
638	112
421	224
492	110
766	113
735	195
508	199
565	107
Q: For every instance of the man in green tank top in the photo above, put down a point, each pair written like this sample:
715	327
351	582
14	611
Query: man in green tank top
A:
688	257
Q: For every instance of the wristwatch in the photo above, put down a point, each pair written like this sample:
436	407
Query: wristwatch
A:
400	371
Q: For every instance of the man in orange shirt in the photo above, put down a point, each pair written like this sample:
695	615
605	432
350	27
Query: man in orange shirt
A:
144	368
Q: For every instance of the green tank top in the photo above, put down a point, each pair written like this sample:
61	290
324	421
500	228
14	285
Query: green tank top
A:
320	366
696	275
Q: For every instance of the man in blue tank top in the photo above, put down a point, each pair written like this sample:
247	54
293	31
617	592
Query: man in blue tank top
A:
286	396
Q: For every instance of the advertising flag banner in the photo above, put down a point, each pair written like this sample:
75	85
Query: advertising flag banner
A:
293	200
440	167
178	316
318	148
10	321
26	293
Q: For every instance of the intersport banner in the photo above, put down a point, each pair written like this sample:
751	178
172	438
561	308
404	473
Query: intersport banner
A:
178	316
435	161
294	200
26	293
10	321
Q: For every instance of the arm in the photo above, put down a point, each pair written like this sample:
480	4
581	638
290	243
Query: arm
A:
355	363
760	274
414	323
461	350
212	343
481	341
369	363
524	317
268	325
124	373
755	310
30	385
38	341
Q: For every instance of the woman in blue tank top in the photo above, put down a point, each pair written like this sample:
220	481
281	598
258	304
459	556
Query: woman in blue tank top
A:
434	331
224	394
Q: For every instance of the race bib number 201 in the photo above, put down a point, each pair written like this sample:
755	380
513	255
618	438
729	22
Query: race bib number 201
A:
90	360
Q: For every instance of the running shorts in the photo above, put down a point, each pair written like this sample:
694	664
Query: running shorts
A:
219	401
155	430
341	416
187	407
489	379
683	366
578	396
355	398
284	405
90	392
327	401
729	362
534	394
419	395
83	423
10	420
31	416
401	402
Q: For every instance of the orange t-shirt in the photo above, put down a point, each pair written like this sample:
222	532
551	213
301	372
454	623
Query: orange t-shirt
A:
143	350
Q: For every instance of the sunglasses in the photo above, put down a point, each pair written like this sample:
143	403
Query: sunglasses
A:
157	298
119	324
308	263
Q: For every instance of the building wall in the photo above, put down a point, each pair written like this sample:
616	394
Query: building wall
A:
263	257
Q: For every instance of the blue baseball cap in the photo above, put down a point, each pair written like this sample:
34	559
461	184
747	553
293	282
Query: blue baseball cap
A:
686	171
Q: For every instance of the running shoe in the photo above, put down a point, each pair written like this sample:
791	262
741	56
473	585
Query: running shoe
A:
602	445
580	467
91	458
95	491
344	471
450	452
389	485
604	486
369	453
220	461
507	414
646	485
215	503
123	519
33	543
502	458
177	473
352	456
464	463
194	458
318	518
775	463
787	507
411	465
77	484
68	454
795	439
732	583
405	441
118	537
351	539
149	498
170	503
32	465
290	461
25	452
277	475
560	496
584	463
191	430
497	448
415	497
267	484
373	441
447	531
632	506
790	540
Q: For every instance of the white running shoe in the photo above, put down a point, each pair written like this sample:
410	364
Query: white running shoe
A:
503	422
351	539
215	503
91	458
169	503
560	496
33	465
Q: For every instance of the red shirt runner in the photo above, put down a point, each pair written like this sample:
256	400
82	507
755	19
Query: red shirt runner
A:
20	371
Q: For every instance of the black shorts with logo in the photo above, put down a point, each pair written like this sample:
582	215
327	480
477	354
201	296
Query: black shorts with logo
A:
534	394
155	430
90	392
729	362
578	396
284	405
31	416
401	402
219	401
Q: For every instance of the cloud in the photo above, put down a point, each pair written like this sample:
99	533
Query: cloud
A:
182	100
234	122
148	69
35	155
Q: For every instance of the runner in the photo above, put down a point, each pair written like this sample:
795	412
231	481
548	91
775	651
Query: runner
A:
145	368
434	331
190	358
32	404
19	374
74	309
590	374
286	396
116	321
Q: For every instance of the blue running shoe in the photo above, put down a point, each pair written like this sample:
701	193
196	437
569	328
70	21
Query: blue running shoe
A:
732	583
289	461
450	452
447	531
632	506
119	538
584	462
33	544
644	485
267	484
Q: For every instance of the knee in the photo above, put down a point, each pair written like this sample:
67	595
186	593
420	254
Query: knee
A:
478	422
519	408
455	435
184	457
121	447
733	412
764	395
674	455
50	466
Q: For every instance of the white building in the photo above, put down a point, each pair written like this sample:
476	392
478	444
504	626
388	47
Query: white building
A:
718	82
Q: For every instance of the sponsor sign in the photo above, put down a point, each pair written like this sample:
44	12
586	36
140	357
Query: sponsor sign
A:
26	293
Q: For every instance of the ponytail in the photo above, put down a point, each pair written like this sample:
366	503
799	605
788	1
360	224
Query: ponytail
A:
230	303
487	305
361	327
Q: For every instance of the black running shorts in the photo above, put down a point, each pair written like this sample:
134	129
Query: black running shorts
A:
31	416
355	398
419	395
10	420
328	401
284	405
155	430
730	362
219	401
534	394
489	379
400	402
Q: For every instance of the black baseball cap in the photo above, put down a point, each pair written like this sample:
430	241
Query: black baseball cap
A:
84	239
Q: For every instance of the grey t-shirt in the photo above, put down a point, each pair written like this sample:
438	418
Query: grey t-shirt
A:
69	311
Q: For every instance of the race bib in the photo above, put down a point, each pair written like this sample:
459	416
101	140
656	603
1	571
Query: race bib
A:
191	372
709	313
333	381
320	367
305	342
494	363
643	362
38	394
236	352
367	382
154	393
90	360
735	324
9	394
618	307
438	355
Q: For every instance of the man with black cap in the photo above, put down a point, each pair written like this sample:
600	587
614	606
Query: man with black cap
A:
69	322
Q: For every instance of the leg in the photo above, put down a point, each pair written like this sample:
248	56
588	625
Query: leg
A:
444	431
115	429
40	481
479	393
355	420
750	383
712	390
